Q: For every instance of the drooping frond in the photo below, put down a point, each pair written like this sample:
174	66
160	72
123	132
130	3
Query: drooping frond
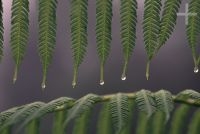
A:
177	123
151	26
33	127
119	112
79	21
145	102
189	94
59	119
49	107
103	32
104	120
193	28
164	102
194	124
158	123
142	124
81	125
47	34
128	19
1	30
80	106
21	114
19	32
127	128
168	21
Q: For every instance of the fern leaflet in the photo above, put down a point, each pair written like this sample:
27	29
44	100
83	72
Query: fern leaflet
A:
78	33
33	127
19	32
81	105
158	123
193	28
1	30
128	21
119	112
164	102
103	32
142	126
145	102
151	26
194	124
47	34
59	118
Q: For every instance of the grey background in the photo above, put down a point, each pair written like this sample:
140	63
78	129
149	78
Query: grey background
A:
171	69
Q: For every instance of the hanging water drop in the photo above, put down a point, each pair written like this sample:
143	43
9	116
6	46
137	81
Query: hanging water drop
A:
101	82
123	78
73	84
196	70
43	85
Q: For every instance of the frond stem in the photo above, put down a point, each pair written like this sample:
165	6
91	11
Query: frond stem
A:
147	69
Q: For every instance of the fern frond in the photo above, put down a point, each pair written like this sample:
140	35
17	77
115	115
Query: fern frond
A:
104	120
103	32
49	107
33	127
19	32
168	21
59	118
21	114
79	21
178	119
151	26
127	128
193	28
119	111
164	102
145	102
81	105
143	124
6	130
128	19
81	125
158	123
194	124
47	34
189	94
1	30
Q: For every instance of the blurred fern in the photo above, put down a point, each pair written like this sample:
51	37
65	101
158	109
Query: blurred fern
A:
19	32
103	32
154	110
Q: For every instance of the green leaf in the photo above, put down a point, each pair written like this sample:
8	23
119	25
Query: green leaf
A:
186	94
59	119
33	127
21	114
1	30
6	130
143	126
103	31
151	26
119	112
104	120
168	21
78	21
49	107
194	124
81	125
164	102
128	19
145	102
47	34
19	32
193	28
81	105
178	119
158	123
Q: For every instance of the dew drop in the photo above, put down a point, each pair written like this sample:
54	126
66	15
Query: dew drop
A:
123	78
101	82
196	70
43	86
73	84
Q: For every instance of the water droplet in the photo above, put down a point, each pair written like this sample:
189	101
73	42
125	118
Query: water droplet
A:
102	82
43	86
123	78
196	70
14	80
73	84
